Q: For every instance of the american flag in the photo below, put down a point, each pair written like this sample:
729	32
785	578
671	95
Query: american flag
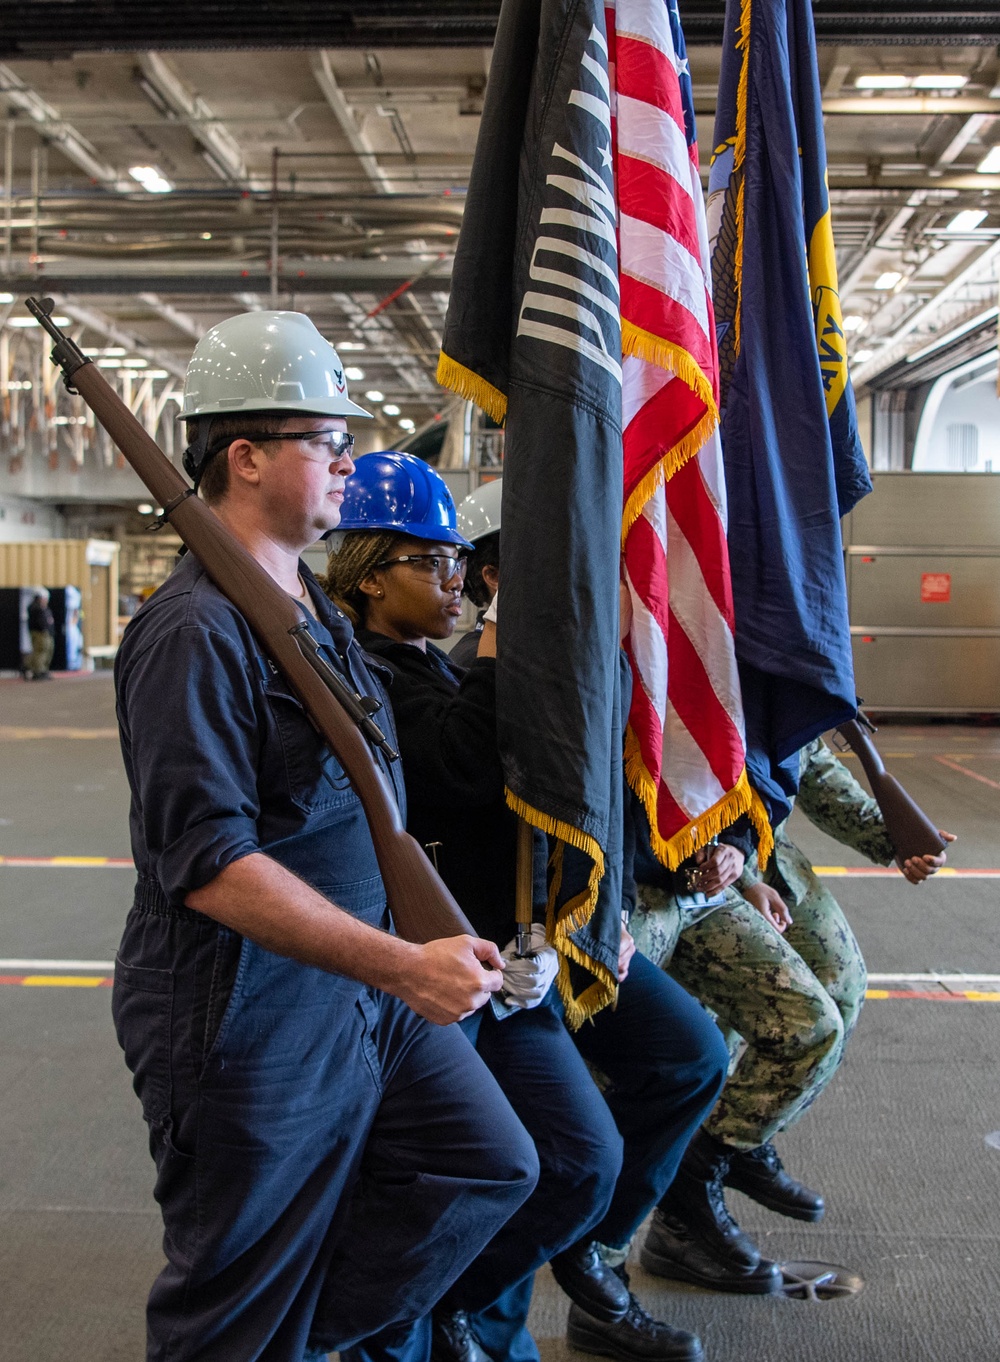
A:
685	747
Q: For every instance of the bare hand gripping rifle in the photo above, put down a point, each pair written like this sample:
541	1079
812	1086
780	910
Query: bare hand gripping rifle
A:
910	831
421	905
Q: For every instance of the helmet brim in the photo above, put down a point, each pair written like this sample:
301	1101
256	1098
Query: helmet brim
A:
432	534
249	406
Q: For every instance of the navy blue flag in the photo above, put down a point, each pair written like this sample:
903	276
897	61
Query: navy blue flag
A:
533	335
794	462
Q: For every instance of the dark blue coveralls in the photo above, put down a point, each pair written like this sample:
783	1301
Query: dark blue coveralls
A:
327	1162
605	1161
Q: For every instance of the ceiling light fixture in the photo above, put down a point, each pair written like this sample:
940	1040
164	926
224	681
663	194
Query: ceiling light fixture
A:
889	279
391	409
882	80
968	220
25	322
852	322
374	395
354	373
407	424
6	297
990	165
134	363
940	80
144	508
351	345
862	356
151	179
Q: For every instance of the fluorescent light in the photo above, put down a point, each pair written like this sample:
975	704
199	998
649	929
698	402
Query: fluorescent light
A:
92	350
151	179
25	322
351	345
144	508
862	356
852	322
107	363
939	80
888	280
391	409
374	395
6	297
882	80
990	165
354	373
135	363
19	385
967	220
156	373
407	424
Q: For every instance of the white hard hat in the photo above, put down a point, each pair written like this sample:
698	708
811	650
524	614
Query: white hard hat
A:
266	362
479	512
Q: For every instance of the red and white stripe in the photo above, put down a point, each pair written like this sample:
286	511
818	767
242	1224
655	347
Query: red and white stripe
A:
686	743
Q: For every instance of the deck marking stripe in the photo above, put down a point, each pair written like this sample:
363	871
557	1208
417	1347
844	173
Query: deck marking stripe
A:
68	862
57	980
17	733
932	978
879	872
964	770
42	966
881	994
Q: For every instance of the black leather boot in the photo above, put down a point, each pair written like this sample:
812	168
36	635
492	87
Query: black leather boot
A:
635	1338
672	1249
590	1283
759	1173
452	1339
695	1198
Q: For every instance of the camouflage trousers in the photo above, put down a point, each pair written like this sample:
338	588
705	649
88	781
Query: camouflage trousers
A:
787	1003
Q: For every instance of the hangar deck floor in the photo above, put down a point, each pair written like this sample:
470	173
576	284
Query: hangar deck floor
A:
898	1145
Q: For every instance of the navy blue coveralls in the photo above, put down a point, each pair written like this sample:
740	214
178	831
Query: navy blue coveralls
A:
327	1162
663	1055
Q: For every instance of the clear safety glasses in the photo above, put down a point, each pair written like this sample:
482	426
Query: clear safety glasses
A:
440	565
330	444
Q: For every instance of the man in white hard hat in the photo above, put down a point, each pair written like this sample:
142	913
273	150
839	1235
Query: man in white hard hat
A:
328	1161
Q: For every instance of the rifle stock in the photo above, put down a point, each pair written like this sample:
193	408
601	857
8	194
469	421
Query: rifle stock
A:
422	907
910	830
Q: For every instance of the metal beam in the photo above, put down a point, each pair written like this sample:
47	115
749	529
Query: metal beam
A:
896	349
319	63
199	276
107	327
170	314
221	149
53	128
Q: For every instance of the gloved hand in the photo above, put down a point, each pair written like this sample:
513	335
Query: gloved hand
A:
527	979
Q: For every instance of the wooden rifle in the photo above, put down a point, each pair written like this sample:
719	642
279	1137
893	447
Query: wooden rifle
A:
422	907
910	831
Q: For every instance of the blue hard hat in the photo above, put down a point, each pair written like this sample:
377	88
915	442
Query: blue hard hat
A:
393	491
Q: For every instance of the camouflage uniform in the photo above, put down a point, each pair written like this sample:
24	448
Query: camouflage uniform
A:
791	999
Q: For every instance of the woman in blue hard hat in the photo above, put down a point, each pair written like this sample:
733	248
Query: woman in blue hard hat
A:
399	573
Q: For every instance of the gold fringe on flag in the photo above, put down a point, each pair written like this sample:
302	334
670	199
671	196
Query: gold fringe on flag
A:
742	798
739	156
666	355
572	916
458	379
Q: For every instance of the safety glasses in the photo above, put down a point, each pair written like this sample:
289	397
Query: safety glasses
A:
333	444
440	565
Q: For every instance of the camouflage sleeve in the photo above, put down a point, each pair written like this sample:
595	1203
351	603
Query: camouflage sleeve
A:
751	874
838	805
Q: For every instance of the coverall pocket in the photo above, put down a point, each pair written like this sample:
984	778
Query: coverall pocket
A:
316	780
142	1008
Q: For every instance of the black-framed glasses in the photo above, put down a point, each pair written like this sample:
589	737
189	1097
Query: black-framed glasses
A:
443	566
337	443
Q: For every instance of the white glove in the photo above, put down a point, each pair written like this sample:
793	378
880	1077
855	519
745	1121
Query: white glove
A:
491	614
527	978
